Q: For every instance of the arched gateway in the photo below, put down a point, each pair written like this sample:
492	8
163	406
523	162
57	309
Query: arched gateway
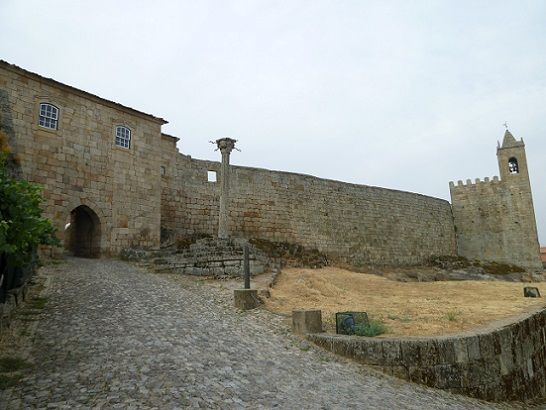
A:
83	233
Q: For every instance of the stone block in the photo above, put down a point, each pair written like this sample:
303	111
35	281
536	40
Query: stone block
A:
246	299
264	293
306	321
487	346
506	363
232	271
400	372
411	354
484	372
461	352
416	374
392	354
473	347
529	368
369	351
430	354
527	348
346	347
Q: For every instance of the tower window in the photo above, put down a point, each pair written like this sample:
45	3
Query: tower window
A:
513	166
123	137
49	116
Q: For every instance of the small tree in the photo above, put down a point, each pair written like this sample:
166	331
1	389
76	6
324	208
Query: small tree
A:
22	226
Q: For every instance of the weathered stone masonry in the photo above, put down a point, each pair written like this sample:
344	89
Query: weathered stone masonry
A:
503	362
79	164
355	224
132	194
495	219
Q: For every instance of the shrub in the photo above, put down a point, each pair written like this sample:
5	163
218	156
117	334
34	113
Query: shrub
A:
451	316
449	262
498	268
370	329
22	226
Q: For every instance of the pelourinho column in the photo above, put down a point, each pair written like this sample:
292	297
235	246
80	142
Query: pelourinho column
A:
225	145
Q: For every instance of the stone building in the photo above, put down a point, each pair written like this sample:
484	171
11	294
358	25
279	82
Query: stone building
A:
115	181
97	160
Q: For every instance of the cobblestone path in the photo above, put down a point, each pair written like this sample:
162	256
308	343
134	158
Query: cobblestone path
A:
115	336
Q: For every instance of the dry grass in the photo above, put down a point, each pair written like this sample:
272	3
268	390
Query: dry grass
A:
407	309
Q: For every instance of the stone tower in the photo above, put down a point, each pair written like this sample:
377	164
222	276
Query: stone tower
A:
513	162
495	220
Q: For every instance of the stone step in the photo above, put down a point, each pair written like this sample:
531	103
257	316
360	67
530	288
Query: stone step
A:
208	263
213	257
208	271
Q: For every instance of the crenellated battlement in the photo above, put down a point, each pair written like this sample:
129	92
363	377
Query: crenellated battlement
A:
476	184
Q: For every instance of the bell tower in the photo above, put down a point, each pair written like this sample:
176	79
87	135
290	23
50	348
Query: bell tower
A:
495	219
517	219
513	162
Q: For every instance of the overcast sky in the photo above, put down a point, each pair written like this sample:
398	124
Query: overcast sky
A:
400	94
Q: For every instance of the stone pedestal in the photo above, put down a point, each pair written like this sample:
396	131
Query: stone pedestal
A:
306	321
246	299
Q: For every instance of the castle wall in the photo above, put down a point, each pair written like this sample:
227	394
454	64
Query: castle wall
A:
495	221
351	223
138	190
79	163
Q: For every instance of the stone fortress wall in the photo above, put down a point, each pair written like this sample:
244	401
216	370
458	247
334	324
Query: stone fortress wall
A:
79	164
495	219
133	194
353	224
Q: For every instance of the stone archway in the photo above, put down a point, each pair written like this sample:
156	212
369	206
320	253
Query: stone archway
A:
84	232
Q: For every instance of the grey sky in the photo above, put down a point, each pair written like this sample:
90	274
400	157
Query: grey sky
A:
406	95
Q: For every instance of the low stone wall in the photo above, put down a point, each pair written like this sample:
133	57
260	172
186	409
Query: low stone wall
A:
505	361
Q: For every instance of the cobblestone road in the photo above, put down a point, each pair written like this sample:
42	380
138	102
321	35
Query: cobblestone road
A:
114	336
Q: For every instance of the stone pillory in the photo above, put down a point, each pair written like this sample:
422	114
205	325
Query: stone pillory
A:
225	145
118	183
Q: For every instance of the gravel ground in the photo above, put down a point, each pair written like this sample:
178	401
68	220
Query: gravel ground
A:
115	336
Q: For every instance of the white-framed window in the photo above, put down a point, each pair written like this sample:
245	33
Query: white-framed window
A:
123	136
211	176
49	116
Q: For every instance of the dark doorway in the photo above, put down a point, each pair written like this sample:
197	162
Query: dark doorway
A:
84	232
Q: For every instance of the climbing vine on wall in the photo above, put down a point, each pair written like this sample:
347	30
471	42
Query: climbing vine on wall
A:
22	226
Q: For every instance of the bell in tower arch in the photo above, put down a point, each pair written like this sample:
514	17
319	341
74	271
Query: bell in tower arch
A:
513	166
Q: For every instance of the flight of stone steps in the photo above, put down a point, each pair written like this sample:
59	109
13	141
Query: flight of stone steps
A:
215	257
